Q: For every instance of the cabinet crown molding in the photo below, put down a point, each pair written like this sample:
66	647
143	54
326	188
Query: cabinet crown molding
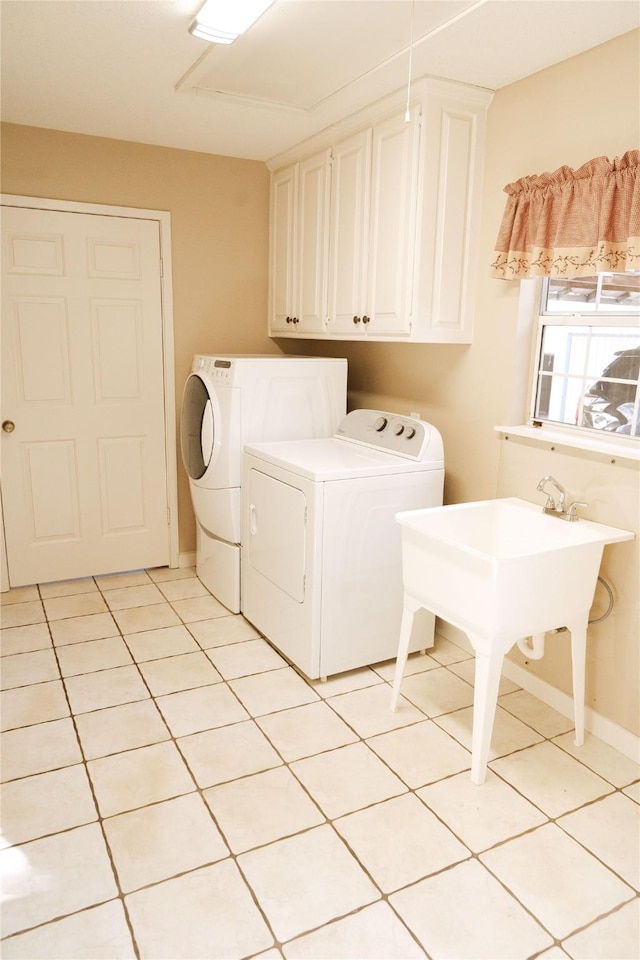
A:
420	89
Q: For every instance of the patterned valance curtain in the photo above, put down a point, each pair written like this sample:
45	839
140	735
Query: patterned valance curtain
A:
572	223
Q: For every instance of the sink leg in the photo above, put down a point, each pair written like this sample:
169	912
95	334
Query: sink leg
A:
409	610
488	670
578	665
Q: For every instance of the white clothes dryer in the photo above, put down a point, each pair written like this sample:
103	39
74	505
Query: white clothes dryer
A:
322	551
227	402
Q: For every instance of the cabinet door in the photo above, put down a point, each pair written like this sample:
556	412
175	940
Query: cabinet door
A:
349	233
282	266
450	212
310	304
392	232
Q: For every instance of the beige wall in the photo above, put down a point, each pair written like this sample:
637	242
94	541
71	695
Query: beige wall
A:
579	109
586	107
219	210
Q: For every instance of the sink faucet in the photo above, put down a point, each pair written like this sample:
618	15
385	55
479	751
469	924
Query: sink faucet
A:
551	506
558	509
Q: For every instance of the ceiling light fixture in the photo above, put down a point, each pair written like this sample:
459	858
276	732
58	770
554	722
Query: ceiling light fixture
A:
222	21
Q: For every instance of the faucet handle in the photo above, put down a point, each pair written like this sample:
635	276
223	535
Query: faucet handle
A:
571	512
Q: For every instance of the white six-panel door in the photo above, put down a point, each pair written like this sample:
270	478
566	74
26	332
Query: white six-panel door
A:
84	467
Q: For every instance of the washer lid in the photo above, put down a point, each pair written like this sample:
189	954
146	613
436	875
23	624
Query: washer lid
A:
368	443
335	459
408	437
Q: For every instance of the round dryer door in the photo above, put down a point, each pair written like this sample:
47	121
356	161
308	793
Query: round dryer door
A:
196	427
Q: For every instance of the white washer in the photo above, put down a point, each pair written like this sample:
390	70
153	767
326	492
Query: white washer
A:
228	401
322	551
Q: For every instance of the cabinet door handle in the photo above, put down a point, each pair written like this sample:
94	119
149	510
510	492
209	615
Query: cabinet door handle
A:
295	319
356	319
288	320
366	319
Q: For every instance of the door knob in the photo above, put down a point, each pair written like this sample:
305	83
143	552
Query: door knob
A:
8	426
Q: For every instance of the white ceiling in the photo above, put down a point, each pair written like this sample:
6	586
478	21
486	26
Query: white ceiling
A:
129	69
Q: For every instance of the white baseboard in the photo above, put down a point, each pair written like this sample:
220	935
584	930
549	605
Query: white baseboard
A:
187	559
606	730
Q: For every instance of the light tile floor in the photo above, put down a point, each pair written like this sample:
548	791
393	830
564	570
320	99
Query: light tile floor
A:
172	788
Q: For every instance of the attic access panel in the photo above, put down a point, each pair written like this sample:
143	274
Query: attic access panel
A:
283	58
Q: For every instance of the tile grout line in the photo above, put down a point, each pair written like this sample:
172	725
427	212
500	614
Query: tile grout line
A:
99	818
286	765
199	792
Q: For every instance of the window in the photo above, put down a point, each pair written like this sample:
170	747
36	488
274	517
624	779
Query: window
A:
588	354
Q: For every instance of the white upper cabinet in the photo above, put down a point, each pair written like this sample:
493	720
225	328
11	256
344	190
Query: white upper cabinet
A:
446	261
299	247
282	247
392	225
374	236
313	242
349	233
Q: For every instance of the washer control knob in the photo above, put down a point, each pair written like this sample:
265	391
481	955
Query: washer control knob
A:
380	424
398	429
411	432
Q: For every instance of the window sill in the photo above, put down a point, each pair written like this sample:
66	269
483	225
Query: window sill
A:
560	438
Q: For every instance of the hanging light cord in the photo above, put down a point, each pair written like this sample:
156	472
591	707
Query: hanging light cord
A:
407	115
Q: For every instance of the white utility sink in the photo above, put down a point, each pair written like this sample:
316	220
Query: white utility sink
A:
501	570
